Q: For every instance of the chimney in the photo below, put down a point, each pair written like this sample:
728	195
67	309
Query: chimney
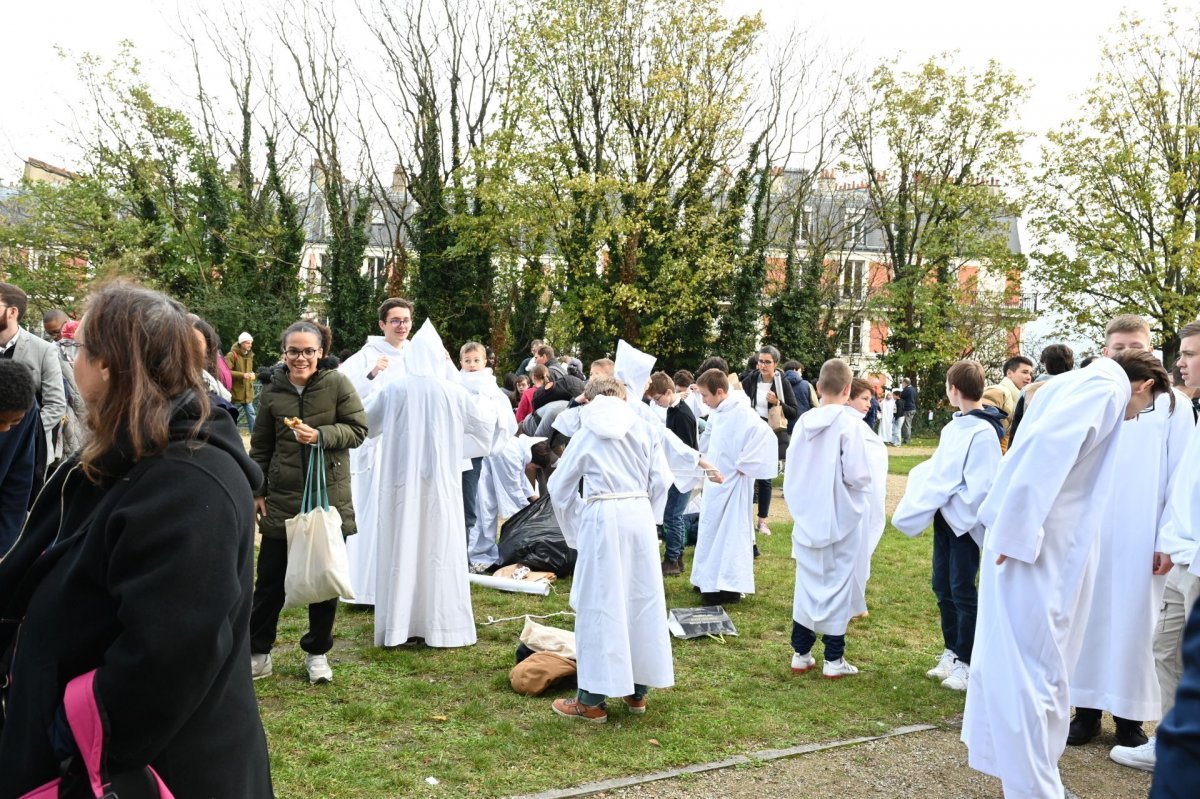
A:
399	180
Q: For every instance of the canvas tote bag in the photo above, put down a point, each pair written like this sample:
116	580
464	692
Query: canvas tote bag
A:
317	566
775	417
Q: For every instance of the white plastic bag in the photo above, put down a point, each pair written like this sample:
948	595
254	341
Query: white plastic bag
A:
317	566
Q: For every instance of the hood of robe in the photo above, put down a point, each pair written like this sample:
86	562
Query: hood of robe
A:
818	419
481	382
425	356
380	345
633	368
608	417
732	400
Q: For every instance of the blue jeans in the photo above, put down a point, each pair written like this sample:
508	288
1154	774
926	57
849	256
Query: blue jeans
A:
955	565
804	638
674	530
248	409
591	700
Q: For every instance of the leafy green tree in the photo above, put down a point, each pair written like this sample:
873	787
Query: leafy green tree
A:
1117	200
935	144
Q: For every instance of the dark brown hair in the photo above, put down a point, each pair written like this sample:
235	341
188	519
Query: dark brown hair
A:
968	378
308	326
14	297
660	384
1058	359
713	380
145	340
393	302
1141	365
683	378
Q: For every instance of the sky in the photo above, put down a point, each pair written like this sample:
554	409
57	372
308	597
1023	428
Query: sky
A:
1053	44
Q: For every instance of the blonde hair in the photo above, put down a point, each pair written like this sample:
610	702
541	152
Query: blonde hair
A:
604	387
1127	323
835	376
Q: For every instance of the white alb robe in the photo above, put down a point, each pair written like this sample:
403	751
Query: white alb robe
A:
1043	513
887	412
828	481
421	584
954	481
481	538
504	489
617	592
1115	671
875	519
1179	528
364	461
743	450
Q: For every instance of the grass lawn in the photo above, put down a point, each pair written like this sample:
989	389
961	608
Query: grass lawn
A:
392	718
903	464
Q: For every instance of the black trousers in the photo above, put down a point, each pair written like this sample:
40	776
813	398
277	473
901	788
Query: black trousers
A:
268	602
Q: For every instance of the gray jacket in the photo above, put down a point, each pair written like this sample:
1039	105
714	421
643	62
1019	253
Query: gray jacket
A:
43	359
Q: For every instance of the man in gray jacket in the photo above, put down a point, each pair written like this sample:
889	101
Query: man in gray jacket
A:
43	361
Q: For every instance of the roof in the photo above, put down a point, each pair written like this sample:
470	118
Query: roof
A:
53	170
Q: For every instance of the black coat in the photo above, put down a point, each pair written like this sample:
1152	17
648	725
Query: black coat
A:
149	582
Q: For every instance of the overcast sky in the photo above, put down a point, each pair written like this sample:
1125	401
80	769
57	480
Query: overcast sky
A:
1052	43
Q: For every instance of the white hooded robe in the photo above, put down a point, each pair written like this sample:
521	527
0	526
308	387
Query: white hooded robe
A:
829	475
1115	671
481	538
617	592
421	586
1043	513
364	460
743	450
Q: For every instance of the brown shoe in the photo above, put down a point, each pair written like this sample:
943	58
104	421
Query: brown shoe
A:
636	706
672	567
574	709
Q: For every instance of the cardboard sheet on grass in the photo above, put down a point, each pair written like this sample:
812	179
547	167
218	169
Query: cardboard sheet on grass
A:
545	658
710	621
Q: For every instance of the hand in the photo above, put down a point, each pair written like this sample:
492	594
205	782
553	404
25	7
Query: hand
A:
715	476
772	399
1001	559
380	365
305	434
1162	563
248	375
582	400
260	506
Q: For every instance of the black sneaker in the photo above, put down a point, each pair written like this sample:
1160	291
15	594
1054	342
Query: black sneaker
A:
1130	733
1084	727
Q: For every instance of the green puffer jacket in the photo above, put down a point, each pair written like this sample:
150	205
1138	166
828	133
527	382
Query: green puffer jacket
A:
332	406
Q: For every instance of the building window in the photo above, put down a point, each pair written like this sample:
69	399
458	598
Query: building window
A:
376	269
853	282
852	338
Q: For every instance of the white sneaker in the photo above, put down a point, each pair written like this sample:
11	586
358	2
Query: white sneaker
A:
763	529
260	666
959	676
836	669
802	663
318	669
1139	757
945	665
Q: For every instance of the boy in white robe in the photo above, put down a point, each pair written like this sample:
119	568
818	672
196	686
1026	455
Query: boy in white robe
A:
421	584
480	508
1115	671
608	493
1039	558
875	519
947	490
378	363
1178	539
829	475
742	449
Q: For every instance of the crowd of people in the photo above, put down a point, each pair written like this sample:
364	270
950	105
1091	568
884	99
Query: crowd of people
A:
1064	560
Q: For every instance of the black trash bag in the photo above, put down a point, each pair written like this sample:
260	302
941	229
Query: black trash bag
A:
533	538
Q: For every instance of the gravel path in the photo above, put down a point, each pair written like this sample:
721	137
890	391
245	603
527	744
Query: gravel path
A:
922	764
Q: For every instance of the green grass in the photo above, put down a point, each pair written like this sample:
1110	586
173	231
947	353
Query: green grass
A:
903	464
391	718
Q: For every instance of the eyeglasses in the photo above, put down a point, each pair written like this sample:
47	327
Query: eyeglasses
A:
398	322
765	361
308	353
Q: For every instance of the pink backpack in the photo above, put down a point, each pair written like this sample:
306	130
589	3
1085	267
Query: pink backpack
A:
83	715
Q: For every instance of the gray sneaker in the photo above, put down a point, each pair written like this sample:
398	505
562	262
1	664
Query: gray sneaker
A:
1139	757
318	669
260	666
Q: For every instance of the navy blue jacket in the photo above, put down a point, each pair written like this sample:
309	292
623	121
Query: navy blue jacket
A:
1177	770
17	454
908	399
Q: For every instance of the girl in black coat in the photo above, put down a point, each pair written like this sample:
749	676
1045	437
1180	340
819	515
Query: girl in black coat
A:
136	563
